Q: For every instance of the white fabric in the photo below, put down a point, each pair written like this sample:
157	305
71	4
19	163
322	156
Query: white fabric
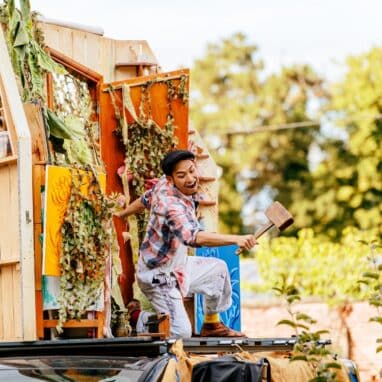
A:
142	322
204	275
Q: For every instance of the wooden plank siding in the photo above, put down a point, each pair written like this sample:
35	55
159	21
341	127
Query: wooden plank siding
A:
10	280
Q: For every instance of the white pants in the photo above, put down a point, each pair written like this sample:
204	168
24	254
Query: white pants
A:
204	275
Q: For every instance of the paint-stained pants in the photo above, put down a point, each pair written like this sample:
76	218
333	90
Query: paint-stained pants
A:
208	276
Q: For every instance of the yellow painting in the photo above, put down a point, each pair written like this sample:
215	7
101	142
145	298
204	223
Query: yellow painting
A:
57	193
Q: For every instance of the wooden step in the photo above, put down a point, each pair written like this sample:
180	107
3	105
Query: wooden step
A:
207	203
207	178
136	63
202	156
139	66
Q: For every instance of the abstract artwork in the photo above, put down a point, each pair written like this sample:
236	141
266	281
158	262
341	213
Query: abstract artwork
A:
230	317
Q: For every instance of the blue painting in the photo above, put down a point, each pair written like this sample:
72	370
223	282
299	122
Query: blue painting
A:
230	317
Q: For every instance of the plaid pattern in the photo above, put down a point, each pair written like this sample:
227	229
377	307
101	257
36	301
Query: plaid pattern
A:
172	221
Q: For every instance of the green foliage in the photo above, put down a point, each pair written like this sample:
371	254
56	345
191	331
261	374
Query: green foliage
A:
372	281
308	347
348	183
315	265
72	128
232	94
29	60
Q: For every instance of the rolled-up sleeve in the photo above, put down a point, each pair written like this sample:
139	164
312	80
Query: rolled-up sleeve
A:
184	225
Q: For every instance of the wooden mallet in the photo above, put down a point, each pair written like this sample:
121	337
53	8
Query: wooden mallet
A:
278	217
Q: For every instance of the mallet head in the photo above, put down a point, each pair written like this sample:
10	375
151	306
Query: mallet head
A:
279	215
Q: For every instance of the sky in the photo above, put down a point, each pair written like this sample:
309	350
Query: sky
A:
318	32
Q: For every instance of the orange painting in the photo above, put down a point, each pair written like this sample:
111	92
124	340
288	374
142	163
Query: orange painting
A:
57	193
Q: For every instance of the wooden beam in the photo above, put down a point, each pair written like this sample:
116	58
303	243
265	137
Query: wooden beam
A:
25	201
71	64
8	160
72	323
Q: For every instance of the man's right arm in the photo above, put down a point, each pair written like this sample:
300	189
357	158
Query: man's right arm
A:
211	239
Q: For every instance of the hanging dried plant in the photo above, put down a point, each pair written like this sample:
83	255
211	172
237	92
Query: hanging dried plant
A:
146	143
87	241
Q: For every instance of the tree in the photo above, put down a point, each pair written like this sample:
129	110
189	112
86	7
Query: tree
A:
232	94
348	183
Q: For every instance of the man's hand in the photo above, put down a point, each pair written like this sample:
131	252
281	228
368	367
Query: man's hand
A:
246	241
118	213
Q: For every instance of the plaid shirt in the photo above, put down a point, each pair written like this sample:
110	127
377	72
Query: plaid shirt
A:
172	221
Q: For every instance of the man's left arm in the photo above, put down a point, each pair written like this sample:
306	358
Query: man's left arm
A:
135	207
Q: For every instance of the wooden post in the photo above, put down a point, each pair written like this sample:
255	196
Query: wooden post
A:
25	218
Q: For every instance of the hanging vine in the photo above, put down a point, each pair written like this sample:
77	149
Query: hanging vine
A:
87	240
146	143
26	48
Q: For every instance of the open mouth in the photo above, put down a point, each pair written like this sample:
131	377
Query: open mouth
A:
193	185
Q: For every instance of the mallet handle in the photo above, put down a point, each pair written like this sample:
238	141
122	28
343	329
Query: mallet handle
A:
258	233
263	229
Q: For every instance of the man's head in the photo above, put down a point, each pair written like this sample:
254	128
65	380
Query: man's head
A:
180	169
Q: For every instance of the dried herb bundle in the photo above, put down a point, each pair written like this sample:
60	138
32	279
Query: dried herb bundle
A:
88	237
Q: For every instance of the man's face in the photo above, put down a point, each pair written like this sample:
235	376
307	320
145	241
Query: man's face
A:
185	177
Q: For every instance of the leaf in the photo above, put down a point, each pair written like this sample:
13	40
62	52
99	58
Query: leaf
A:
22	36
299	358
45	61
372	275
304	317
376	319
57	127
302	326
292	298
332	365
287	322
375	302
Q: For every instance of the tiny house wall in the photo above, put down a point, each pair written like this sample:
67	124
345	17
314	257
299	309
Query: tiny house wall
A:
115	60
17	302
10	281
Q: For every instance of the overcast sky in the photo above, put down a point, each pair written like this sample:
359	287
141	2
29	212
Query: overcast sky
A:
319	32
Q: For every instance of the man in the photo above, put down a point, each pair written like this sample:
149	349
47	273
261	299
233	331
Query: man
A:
165	273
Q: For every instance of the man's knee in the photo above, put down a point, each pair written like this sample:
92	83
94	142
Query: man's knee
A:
181	330
221	267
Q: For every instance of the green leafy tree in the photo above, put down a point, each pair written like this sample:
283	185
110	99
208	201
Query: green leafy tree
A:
372	282
232	96
348	183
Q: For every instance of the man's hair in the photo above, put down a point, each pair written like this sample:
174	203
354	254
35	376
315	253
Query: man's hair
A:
173	157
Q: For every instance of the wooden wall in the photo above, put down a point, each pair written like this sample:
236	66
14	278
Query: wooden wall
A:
114	59
10	277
